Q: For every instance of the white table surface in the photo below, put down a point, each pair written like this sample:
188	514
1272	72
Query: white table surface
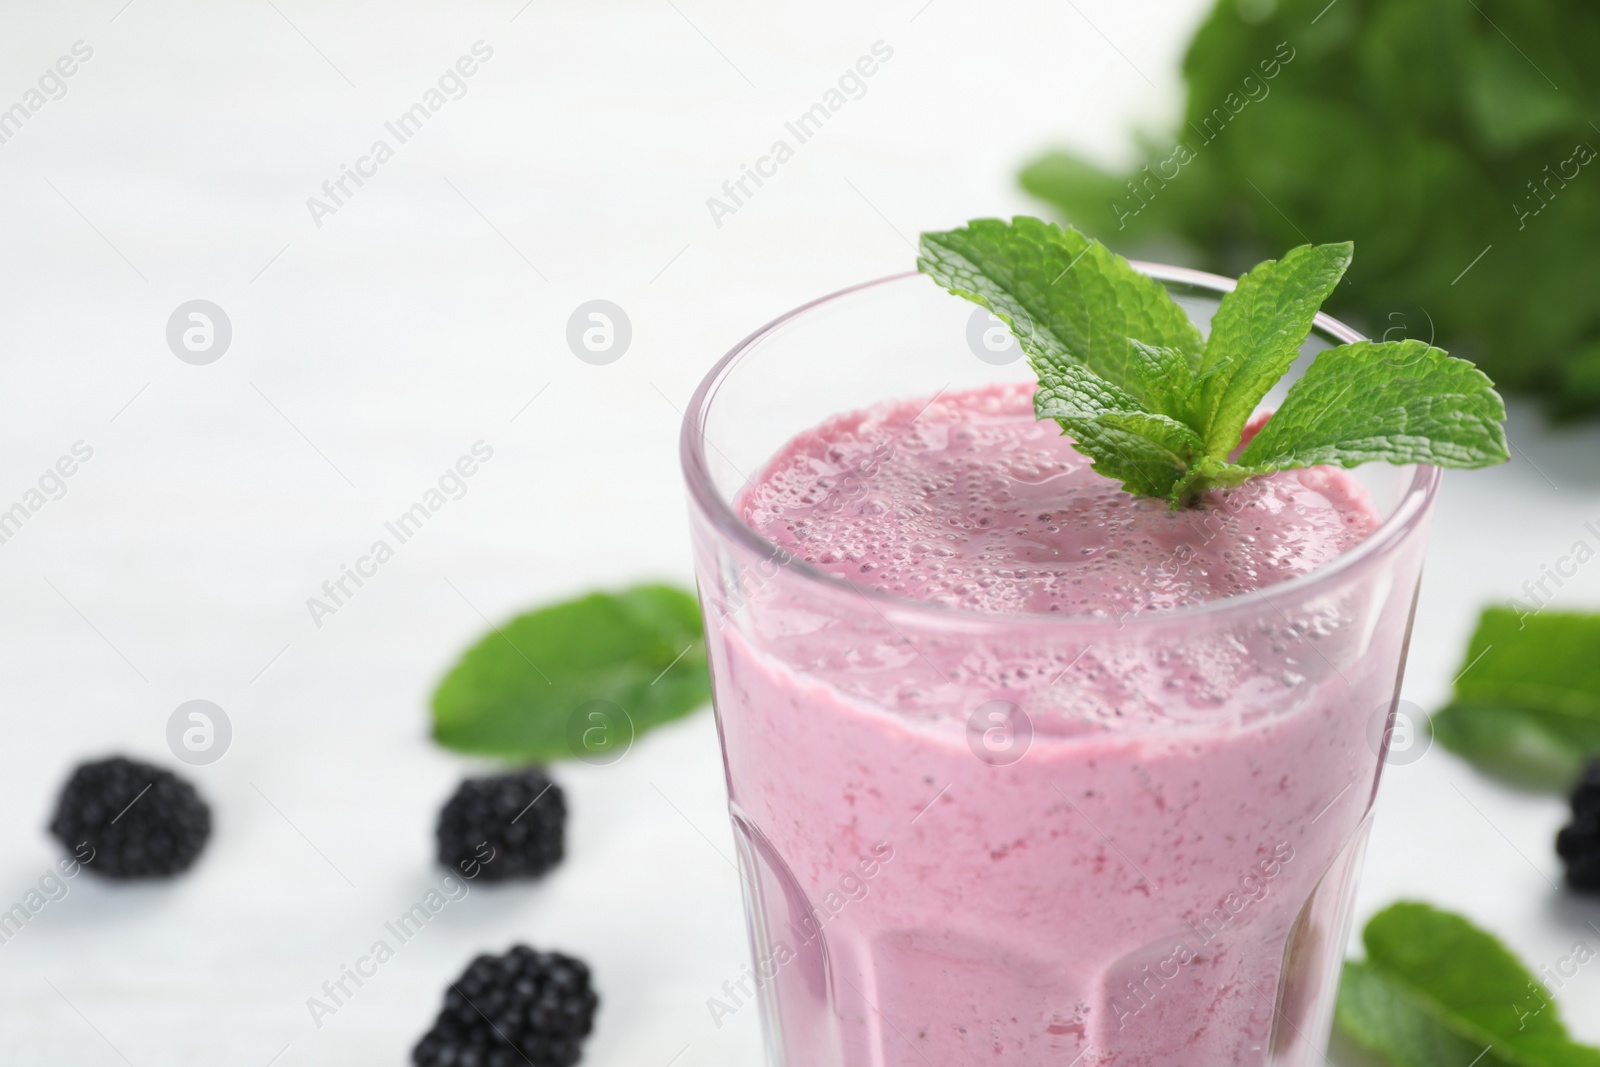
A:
370	352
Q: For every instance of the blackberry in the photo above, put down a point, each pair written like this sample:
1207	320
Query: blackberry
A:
141	821
508	826
522	1008
1578	843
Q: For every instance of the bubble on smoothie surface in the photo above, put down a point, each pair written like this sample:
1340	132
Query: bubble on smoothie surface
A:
969	501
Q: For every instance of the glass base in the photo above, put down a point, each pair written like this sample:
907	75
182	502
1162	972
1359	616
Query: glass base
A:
836	991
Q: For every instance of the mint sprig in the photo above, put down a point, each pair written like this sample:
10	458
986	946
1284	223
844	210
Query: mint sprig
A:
576	679
1162	411
1526	706
1436	991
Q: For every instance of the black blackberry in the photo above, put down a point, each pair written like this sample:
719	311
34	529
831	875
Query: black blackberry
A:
508	826
1578	843
525	1007
141	821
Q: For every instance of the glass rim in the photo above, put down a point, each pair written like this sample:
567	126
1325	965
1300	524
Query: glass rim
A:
1415	499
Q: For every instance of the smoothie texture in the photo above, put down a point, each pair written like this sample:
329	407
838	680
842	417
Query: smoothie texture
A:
1096	797
969	502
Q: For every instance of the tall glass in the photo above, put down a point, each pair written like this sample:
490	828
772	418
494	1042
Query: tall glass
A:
1031	839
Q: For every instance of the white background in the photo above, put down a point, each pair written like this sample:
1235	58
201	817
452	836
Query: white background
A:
422	317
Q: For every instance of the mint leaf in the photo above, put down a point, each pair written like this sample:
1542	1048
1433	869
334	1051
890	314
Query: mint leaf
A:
1166	381
1072	391
1526	705
1149	454
524	691
1257	332
1435	991
1067	298
1519	747
1124	372
1397	401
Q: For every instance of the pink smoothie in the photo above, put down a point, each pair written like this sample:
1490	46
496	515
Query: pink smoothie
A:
1124	838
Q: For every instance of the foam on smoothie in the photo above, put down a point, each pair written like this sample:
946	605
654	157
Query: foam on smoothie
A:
968	501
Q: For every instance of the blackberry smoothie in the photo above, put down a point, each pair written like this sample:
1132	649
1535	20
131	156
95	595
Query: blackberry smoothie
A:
1025	770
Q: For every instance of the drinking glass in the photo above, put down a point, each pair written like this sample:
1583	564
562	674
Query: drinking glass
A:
1032	838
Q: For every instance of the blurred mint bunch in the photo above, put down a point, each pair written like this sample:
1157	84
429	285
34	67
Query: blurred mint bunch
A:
1457	152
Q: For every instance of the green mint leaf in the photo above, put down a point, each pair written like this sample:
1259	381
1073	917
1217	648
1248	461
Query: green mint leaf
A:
1149	454
1530	749
1526	705
1167	383
1073	391
1435	991
550	684
1257	332
1067	298
1124	372
1398	402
